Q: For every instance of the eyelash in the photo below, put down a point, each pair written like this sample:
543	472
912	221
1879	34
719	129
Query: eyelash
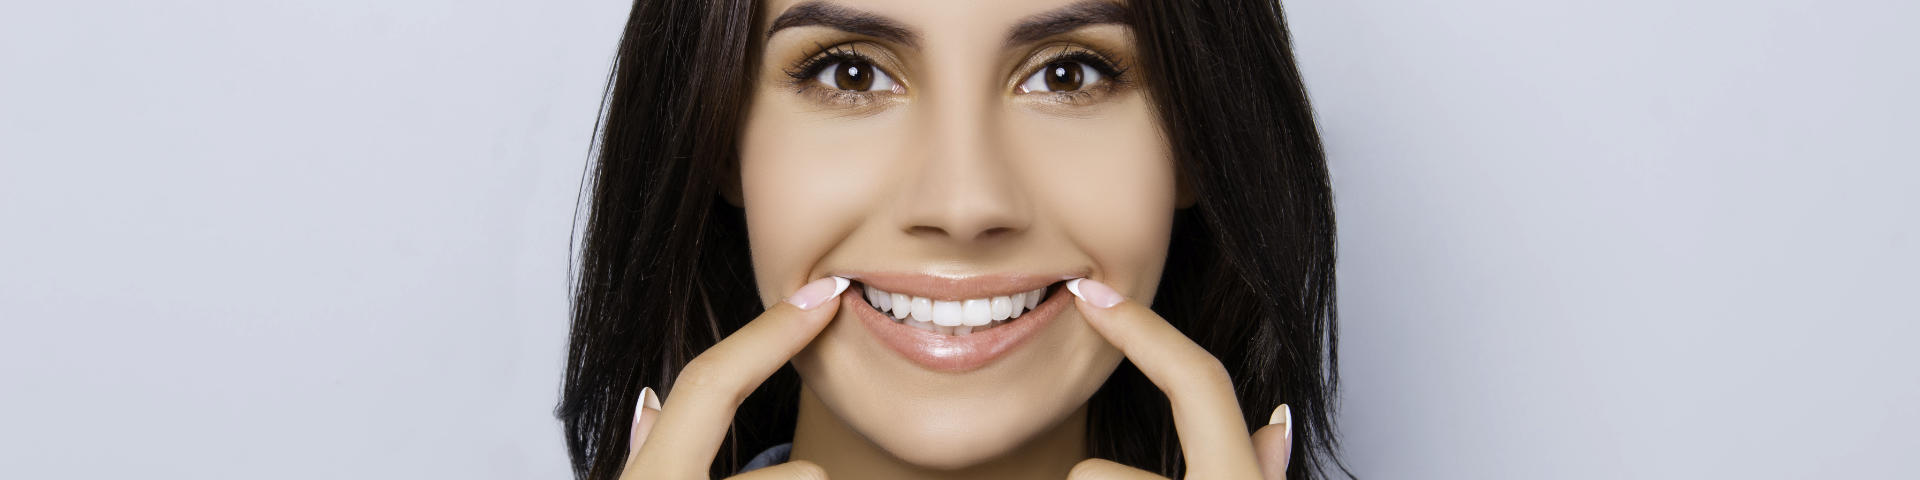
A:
1114	74
802	74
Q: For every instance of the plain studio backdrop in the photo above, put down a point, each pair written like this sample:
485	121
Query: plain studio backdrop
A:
305	240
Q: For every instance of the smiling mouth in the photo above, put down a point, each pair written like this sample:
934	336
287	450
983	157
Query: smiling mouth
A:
956	317
952	324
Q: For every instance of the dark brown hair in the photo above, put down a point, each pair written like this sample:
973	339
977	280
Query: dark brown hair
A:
665	272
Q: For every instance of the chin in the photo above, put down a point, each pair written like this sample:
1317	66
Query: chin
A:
937	438
950	420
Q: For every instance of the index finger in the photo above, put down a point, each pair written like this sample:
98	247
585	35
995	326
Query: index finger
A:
1206	414
700	408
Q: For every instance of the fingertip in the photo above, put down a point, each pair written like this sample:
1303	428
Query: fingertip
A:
648	399
647	417
645	414
1094	316
646	410
1273	445
640	404
819	292
1275	442
1095	293
840	285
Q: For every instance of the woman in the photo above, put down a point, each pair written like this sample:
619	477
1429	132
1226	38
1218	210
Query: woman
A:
1004	188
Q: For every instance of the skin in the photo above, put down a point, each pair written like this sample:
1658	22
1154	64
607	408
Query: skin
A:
956	172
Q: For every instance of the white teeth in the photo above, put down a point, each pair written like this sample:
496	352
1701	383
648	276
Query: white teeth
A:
928	326
878	299
1019	303
952	317
923	309
948	314
978	312
901	305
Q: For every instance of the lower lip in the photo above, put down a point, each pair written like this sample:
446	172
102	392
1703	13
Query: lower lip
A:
954	353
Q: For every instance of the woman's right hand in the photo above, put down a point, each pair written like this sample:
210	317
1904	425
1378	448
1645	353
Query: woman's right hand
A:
678	440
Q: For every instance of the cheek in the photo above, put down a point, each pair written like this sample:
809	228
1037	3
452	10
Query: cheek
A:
1111	189
805	185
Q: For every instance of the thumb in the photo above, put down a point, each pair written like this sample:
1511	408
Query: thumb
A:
1273	444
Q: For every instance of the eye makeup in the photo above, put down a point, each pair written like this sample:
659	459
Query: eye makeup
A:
825	74
1111	72
804	77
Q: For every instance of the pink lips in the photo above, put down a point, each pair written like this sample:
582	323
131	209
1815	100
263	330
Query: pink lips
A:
954	353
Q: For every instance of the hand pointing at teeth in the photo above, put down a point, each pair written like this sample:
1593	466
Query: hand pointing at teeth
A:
1206	414
679	439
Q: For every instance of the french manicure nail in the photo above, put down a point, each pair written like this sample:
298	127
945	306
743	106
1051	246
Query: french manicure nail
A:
1094	292
649	399
1284	414
1289	421
818	292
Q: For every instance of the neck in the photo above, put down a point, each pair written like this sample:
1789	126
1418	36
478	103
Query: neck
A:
824	439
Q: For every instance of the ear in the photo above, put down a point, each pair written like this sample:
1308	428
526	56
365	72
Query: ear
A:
730	183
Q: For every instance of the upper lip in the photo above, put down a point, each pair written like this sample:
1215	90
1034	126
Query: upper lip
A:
946	287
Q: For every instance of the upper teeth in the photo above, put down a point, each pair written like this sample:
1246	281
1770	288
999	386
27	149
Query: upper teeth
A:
956	316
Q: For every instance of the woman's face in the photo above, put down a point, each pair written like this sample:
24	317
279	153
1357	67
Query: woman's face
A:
953	151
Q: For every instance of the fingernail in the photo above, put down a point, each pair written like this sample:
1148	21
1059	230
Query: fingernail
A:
649	399
1284	414
1096	293
1289	419
1284	417
818	292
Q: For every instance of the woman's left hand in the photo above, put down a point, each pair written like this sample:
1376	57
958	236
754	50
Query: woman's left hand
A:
1206	413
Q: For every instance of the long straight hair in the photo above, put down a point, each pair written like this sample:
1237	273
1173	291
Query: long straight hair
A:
665	272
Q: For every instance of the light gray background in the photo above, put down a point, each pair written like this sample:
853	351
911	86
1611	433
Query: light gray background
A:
1621	239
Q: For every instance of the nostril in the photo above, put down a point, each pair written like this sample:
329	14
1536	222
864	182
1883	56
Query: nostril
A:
996	232
988	234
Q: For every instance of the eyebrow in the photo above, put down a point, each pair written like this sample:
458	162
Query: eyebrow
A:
1032	28
844	19
1066	19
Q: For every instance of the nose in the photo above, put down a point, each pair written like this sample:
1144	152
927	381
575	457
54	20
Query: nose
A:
968	187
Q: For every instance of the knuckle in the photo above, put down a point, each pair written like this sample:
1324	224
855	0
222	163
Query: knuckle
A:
1209	368
1199	371
701	375
1203	366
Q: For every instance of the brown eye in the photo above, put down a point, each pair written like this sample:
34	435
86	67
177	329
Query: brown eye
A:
855	76
1063	76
